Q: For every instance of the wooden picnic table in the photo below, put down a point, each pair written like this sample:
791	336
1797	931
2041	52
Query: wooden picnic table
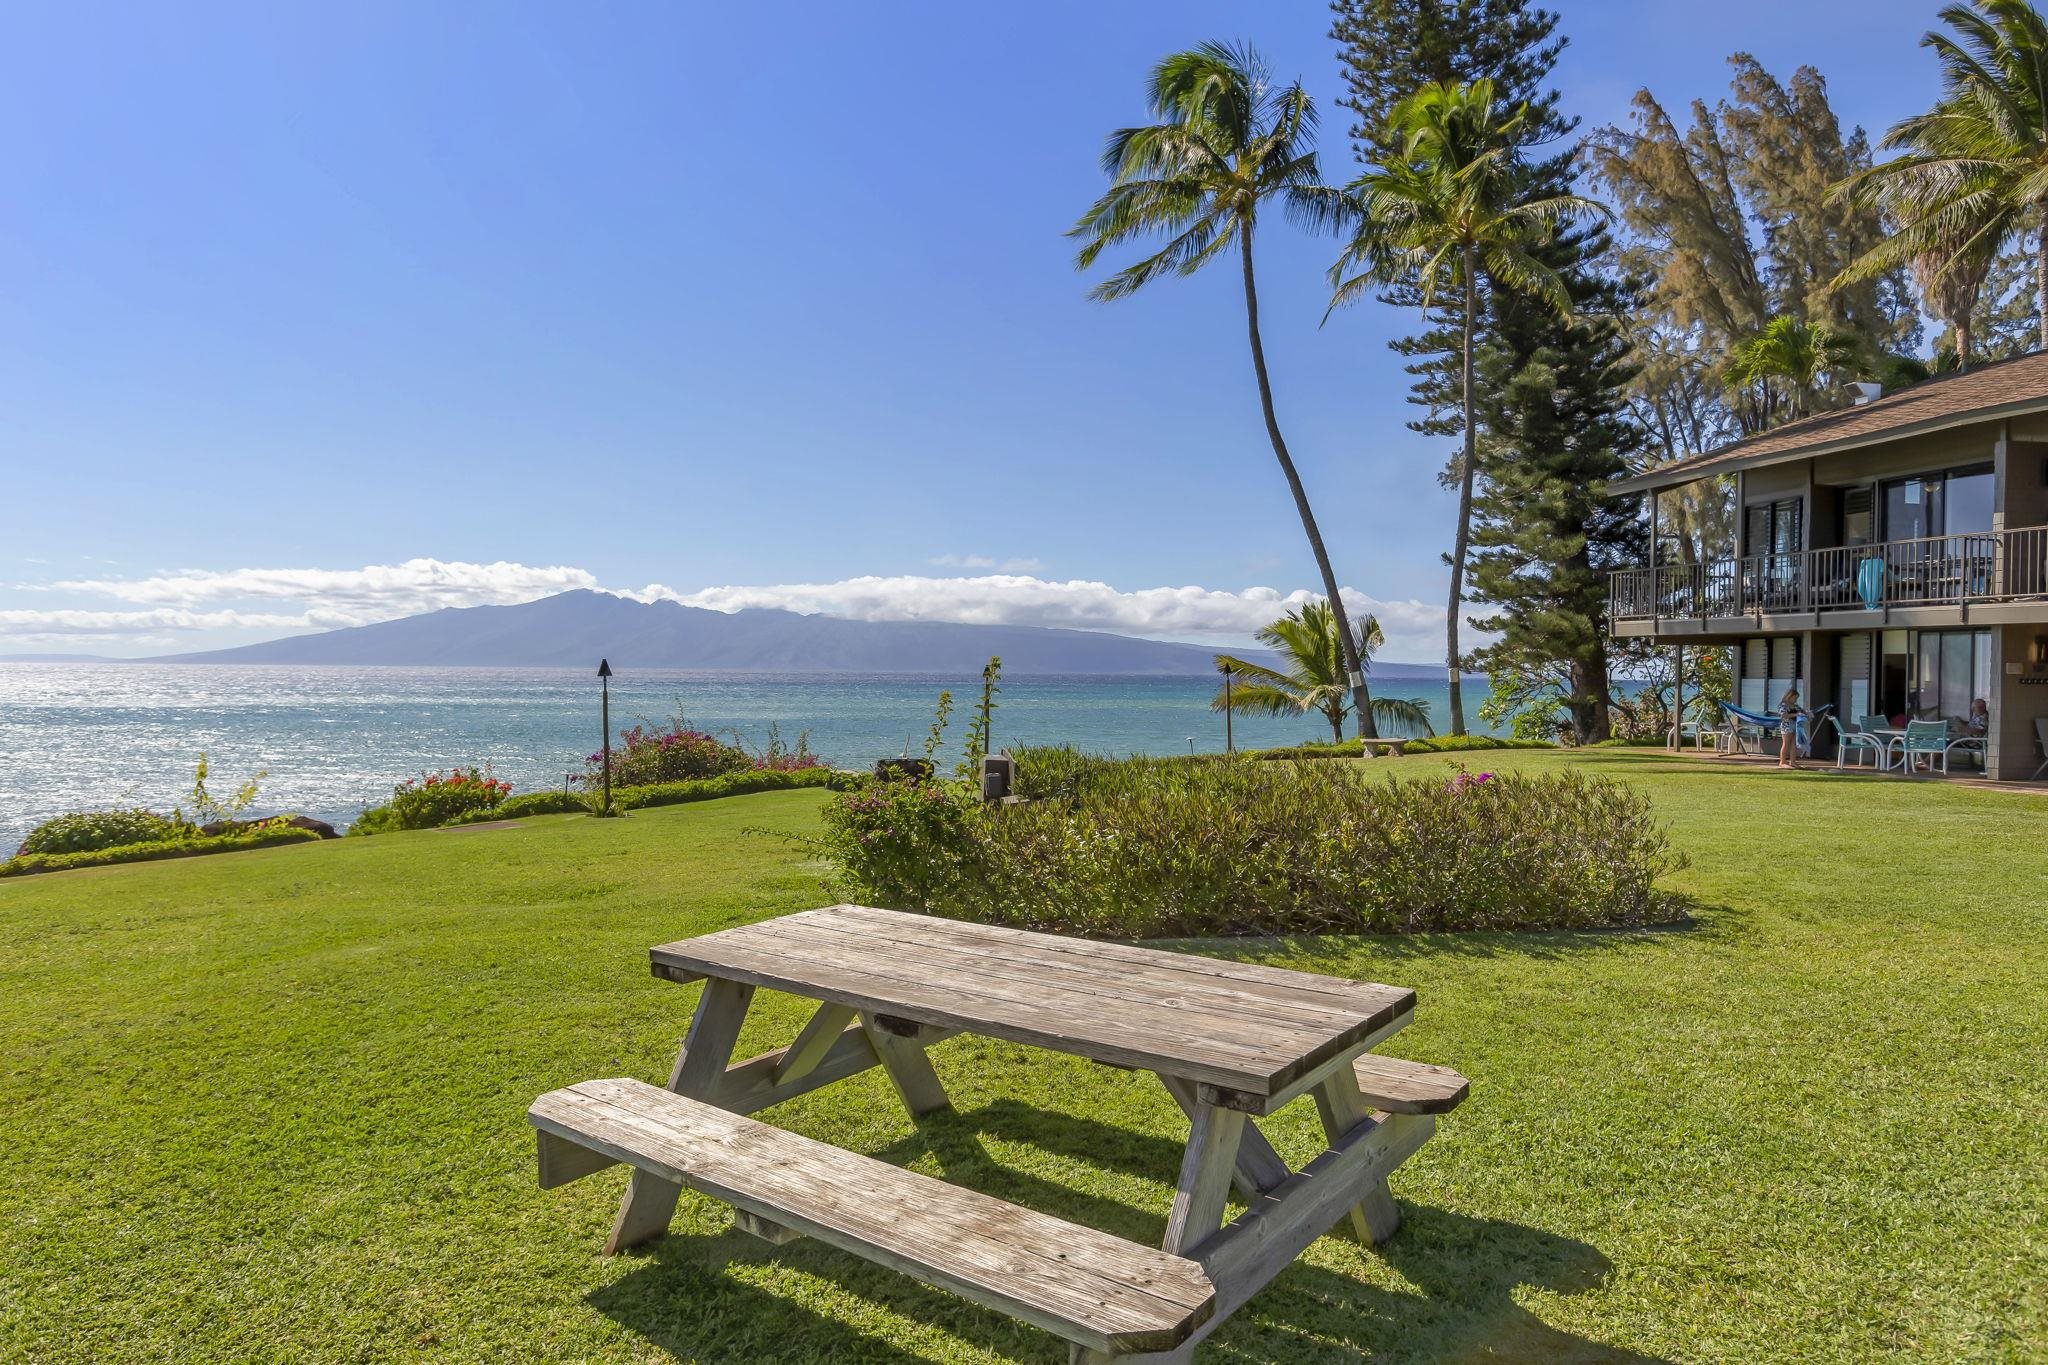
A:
1230	1041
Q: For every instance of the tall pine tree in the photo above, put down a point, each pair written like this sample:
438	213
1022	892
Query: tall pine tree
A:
1554	407
1388	49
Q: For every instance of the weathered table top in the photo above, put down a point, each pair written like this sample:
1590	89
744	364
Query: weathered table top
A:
1238	1026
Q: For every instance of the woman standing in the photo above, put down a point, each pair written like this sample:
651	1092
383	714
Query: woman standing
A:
1789	712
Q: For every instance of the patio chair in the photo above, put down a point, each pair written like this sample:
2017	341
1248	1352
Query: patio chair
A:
2041	743
1926	739
1864	739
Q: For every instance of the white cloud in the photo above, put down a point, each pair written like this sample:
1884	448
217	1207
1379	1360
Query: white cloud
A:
375	592
1413	629
71	624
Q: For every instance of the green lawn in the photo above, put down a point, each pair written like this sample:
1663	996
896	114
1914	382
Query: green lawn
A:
270	1105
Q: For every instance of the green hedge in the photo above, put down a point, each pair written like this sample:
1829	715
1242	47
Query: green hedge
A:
731	784
92	830
661	793
1148	849
1458	744
156	849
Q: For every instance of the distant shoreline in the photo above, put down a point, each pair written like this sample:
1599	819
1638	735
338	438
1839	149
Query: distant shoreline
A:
1382	671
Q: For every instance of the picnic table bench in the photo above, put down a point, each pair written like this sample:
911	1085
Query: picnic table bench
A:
1231	1041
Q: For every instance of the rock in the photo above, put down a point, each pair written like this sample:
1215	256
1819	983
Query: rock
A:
319	827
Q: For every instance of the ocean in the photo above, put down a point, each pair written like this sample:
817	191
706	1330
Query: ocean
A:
333	740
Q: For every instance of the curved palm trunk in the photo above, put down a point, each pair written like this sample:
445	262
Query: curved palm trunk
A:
1463	538
1361	699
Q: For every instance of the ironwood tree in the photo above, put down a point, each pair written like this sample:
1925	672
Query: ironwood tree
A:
1555	408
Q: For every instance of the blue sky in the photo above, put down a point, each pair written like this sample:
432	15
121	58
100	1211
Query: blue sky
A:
314	314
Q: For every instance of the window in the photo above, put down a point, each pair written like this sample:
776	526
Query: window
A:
1750	692
1852	675
1774	527
1954	503
1968	503
1858	514
1952	668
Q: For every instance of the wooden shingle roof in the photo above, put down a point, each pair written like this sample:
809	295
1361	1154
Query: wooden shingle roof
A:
1984	393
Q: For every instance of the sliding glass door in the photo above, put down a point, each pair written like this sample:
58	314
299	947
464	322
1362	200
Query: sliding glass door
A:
1952	669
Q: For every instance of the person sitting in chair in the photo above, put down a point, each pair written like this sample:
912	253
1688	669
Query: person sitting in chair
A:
1979	723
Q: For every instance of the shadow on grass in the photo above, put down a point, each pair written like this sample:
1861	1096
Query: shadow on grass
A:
695	1298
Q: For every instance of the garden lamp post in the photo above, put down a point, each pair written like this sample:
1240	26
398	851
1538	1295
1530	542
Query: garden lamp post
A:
604	680
1229	740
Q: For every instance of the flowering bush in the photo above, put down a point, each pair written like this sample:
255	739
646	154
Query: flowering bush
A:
677	752
907	844
436	798
1147	848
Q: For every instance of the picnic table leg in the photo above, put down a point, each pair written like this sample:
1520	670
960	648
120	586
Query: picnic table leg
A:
1259	1168
1342	1107
1205	1176
910	1071
650	1201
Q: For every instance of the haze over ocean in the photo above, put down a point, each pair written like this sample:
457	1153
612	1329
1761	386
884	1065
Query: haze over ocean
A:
91	736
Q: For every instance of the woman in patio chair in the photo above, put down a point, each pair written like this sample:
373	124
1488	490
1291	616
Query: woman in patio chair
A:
1979	723
1789	712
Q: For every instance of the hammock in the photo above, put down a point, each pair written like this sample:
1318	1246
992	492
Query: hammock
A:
1802	732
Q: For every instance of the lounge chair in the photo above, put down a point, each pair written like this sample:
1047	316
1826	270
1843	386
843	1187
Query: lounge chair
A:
1926	739
1865	739
2041	743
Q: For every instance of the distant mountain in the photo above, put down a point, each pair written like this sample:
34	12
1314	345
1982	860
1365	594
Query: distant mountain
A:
575	629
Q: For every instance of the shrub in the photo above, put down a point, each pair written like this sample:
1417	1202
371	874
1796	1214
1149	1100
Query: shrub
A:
434	799
528	803
676	753
1047	771
265	834
1460	744
731	784
1350	748
89	831
1151	849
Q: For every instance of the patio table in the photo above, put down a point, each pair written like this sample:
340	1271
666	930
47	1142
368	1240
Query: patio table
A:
1230	1041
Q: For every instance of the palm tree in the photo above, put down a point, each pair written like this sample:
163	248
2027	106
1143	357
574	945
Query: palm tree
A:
1453	207
1800	354
1312	676
1974	175
1226	143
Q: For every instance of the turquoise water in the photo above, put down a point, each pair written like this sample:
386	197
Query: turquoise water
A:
85	736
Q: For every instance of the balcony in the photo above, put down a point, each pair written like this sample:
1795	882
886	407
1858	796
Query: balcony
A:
1918	577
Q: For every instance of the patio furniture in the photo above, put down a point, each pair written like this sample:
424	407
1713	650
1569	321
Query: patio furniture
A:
1231	1042
2041	743
1924	739
1869	736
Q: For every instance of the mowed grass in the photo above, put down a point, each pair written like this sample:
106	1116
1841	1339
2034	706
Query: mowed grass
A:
270	1105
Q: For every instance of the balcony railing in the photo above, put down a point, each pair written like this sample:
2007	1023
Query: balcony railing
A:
1992	566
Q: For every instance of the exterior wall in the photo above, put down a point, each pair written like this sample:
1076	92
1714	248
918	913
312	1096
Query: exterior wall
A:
2023	494
1937	450
2010	755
